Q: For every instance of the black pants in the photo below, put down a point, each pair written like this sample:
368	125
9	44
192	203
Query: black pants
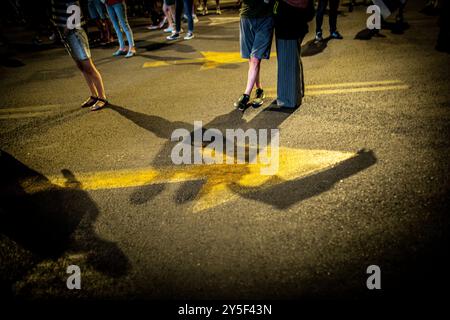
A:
334	5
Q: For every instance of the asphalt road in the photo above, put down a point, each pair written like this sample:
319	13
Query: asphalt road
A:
308	234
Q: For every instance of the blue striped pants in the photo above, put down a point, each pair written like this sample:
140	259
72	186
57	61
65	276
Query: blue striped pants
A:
290	85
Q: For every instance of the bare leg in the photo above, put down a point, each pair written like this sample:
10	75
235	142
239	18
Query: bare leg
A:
93	78
253	75
88	79
168	14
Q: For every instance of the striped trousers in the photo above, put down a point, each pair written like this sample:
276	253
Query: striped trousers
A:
290	85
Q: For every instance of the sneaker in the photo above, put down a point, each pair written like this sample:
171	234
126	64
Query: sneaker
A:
319	36
336	35
242	102
218	12
169	30
120	52
200	8
130	54
259	98
189	36
173	36
205	11
194	17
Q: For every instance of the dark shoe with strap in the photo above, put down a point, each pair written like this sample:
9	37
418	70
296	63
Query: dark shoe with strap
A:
100	104
89	102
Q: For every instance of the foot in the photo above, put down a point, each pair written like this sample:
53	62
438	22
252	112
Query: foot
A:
120	52
194	17
153	27
131	53
218	11
89	102
173	36
336	35
169	30
100	104
162	23
259	98
319	36
205	11
189	35
242	102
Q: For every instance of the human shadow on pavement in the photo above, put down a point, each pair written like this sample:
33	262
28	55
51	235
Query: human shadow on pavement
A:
48	220
282	195
163	128
313	47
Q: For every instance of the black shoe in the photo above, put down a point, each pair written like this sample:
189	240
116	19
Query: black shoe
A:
336	35
242	102
259	98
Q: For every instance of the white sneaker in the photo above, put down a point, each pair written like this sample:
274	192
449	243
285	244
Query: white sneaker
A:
173	36
189	36
168	30
218	12
194	17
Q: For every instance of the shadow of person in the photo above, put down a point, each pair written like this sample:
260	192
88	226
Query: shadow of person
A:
367	34
49	220
312	47
282	195
265	119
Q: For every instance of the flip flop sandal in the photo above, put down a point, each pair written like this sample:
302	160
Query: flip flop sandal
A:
89	102
103	104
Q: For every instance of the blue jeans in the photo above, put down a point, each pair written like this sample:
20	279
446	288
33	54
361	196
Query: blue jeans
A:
118	14
187	4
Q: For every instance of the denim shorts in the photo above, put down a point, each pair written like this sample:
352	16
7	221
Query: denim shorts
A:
96	9
256	37
77	44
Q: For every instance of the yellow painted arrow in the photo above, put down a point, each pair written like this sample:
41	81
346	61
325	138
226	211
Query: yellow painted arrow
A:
218	178
209	60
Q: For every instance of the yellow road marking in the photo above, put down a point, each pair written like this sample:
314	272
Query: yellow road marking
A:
219	179
353	90
352	84
309	92
209	60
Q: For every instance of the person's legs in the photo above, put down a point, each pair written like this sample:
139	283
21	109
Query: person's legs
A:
178	13
334	5
188	5
205	7
253	75
121	12
168	15
290	73
93	78
115	23
322	5
218	11
95	83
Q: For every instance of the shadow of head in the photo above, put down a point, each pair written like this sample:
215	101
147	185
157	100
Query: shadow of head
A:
367	34
312	47
283	195
48	220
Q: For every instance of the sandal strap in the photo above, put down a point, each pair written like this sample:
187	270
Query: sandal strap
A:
102	100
